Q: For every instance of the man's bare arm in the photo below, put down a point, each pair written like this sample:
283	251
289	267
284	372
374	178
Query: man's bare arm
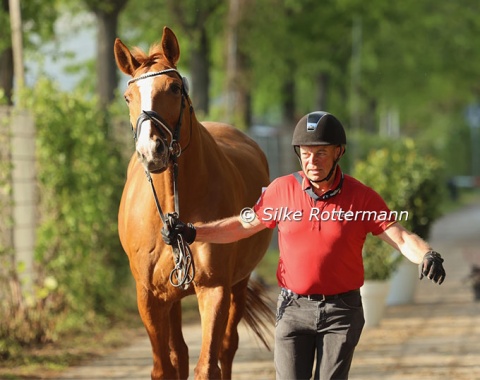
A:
227	230
409	244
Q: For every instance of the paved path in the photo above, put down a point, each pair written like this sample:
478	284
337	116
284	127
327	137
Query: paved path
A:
436	337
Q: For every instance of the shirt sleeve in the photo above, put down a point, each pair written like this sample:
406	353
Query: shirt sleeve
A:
266	204
380	216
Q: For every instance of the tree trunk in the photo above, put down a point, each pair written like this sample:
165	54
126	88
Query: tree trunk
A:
106	68
17	44
6	74
238	97
193	18
288	89
370	121
6	65
200	74
106	12
322	92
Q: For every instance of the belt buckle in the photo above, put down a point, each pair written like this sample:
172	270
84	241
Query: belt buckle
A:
316	297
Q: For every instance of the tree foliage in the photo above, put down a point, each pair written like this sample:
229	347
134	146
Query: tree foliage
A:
418	57
198	26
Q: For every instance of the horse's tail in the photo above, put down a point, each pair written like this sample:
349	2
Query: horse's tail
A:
259	313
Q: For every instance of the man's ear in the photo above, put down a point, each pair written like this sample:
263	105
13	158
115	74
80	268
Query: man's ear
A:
340	151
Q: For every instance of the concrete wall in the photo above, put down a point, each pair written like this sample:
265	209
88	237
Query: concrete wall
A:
6	231
20	223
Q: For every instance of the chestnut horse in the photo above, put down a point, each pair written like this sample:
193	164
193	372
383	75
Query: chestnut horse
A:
205	172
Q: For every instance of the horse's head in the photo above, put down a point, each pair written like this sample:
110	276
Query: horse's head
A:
156	97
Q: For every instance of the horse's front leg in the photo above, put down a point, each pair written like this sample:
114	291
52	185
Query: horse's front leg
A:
178	347
231	338
155	317
213	304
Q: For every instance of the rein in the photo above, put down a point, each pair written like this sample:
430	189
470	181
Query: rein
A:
183	272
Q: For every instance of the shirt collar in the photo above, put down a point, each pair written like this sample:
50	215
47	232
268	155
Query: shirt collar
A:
306	184
334	190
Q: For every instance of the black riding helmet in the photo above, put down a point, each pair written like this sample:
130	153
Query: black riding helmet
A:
319	128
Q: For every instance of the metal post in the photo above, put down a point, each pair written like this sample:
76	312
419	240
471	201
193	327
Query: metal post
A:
23	162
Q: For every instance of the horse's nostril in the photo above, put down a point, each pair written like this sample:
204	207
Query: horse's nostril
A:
159	147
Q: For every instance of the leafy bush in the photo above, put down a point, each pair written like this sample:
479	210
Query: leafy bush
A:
378	260
408	181
80	265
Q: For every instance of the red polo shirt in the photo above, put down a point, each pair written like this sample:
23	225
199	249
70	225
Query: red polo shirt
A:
321	241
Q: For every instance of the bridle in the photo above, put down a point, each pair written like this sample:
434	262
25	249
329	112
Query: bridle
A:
174	148
183	272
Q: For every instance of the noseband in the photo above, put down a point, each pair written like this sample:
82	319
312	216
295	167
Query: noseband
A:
174	149
184	271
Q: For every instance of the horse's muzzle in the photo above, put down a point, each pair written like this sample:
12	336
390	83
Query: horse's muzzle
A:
154	156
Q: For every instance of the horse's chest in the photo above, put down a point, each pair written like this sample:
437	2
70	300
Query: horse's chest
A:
152	268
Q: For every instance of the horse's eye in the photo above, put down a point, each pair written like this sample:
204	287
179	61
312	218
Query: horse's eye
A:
176	89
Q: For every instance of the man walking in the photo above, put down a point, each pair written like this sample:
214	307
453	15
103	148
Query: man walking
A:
320	215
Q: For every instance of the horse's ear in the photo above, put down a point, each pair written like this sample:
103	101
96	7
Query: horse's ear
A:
126	62
170	47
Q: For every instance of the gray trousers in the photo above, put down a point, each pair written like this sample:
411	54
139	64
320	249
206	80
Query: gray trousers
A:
324	332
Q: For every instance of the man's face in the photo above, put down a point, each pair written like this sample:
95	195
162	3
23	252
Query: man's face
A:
317	160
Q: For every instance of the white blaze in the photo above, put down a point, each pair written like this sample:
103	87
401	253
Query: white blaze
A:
144	144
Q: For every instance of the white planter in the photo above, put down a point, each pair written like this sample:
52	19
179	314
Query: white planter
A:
374	296
404	283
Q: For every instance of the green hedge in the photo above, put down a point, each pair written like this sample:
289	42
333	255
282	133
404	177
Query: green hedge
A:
80	265
408	180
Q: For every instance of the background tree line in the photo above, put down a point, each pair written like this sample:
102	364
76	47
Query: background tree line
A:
271	61
249	62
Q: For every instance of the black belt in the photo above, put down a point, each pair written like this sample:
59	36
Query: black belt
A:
317	297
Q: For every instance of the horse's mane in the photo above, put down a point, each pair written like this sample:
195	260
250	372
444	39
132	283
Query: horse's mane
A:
154	54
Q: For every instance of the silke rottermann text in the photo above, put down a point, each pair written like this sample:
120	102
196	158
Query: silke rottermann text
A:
282	214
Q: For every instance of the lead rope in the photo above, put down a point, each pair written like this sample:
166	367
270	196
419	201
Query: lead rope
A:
183	273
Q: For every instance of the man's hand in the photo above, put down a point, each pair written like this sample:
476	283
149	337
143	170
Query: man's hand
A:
432	267
175	227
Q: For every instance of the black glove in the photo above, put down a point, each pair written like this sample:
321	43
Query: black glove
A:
175	227
432	267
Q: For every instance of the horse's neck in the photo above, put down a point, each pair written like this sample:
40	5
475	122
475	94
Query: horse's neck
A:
201	152
200	166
